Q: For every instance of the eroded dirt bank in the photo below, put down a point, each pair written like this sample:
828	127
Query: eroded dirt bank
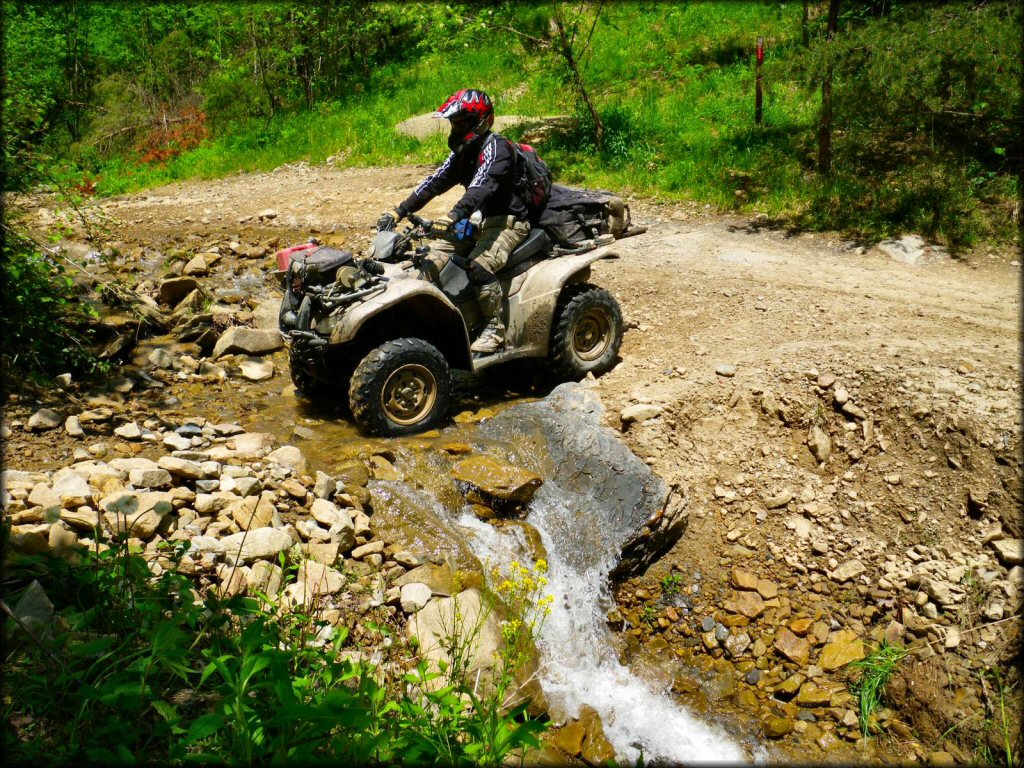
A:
846	427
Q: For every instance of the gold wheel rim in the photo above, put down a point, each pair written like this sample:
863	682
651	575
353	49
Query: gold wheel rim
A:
591	335
409	394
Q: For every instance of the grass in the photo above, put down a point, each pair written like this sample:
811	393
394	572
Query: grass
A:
678	106
876	669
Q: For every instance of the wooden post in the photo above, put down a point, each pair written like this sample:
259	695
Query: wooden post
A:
758	98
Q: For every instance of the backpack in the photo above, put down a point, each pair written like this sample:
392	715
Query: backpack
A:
532	177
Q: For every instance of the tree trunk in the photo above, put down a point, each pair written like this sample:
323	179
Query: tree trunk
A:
565	48
825	123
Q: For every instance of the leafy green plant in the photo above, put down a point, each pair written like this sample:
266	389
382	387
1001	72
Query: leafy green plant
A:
671	586
144	669
46	329
875	671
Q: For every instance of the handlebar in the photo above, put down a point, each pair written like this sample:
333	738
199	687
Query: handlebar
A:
420	222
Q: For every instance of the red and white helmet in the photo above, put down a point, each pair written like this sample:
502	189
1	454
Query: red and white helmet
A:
470	113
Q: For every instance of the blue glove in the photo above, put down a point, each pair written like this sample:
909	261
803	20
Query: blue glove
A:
464	229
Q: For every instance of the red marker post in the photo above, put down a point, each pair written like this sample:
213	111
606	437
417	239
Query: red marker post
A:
758	99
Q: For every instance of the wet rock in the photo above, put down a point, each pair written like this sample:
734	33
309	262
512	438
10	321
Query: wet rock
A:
776	727
175	289
44	419
810	695
247	341
844	647
596	749
794	648
489	479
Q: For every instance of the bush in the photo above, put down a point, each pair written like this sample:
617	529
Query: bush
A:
46	330
144	669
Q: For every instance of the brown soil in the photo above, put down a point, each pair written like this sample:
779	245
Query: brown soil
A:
734	330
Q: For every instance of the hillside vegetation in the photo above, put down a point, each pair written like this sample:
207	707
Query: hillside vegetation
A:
926	131
878	116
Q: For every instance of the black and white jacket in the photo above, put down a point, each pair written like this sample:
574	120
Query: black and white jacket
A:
487	168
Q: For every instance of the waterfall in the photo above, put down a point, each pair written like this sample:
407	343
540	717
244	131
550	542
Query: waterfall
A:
596	495
578	660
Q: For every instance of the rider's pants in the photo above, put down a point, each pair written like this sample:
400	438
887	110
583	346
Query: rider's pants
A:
499	236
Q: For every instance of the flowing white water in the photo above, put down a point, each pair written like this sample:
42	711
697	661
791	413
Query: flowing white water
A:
578	661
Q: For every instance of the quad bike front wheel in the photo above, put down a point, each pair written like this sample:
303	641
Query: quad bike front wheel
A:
587	331
400	388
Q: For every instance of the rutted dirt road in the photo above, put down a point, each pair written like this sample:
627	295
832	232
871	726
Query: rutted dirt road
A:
845	425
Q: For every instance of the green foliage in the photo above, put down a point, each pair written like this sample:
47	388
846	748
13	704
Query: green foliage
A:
926	123
46	328
671	586
875	671
144	669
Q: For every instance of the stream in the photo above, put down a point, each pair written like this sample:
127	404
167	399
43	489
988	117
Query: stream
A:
595	494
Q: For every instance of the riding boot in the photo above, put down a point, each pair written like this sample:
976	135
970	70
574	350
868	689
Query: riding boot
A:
492	338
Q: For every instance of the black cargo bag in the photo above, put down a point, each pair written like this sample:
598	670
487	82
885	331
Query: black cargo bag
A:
319	266
574	216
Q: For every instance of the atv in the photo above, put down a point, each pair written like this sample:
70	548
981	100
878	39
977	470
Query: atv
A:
393	325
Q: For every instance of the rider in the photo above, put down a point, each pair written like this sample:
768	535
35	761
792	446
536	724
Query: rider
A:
486	167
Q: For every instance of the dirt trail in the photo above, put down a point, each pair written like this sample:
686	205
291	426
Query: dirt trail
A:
746	339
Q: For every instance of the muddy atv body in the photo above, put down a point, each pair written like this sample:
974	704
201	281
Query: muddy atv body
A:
393	326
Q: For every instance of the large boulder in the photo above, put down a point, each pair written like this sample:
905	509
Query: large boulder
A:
609	500
488	478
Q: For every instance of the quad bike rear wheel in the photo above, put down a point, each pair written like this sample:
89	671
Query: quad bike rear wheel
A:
400	388
587	331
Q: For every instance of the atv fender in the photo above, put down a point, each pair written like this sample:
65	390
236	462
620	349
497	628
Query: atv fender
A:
532	302
410	307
